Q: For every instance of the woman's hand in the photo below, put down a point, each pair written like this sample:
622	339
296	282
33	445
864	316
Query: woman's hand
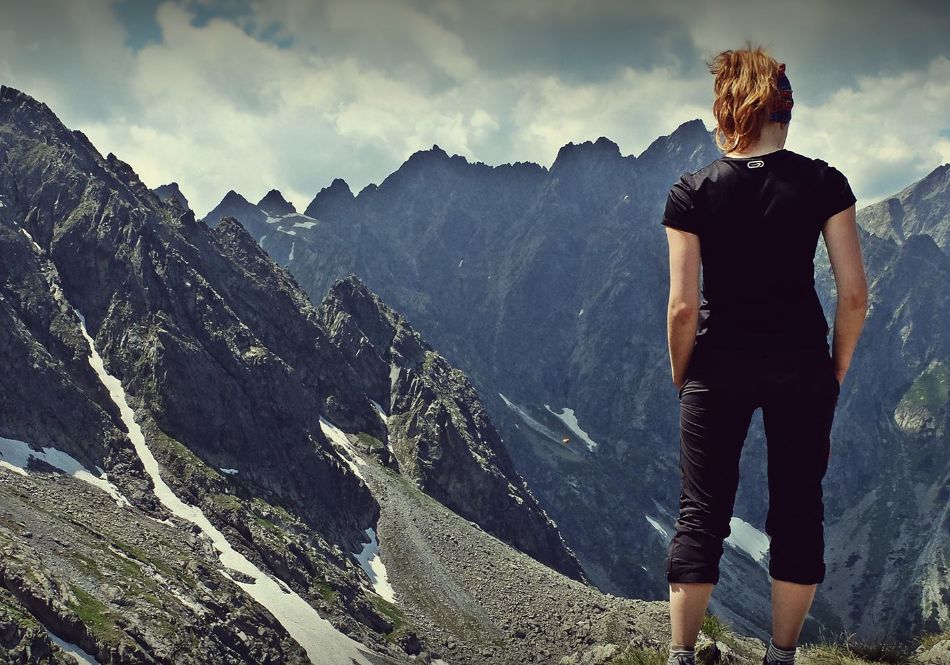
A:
839	374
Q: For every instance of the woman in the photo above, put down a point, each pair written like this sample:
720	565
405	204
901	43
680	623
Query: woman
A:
757	340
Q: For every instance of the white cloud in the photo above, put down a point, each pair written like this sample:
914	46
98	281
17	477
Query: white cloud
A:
883	132
218	106
631	110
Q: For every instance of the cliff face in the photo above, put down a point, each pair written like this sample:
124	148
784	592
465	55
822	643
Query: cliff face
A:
548	286
437	431
921	208
167	401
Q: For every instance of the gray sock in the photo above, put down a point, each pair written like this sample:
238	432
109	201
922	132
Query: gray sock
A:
680	655
776	655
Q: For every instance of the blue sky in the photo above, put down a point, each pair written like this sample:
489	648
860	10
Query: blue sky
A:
243	95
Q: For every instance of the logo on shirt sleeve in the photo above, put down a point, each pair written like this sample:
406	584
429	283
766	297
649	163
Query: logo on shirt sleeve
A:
756	163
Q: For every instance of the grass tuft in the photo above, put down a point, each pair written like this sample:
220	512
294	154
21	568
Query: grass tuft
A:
714	627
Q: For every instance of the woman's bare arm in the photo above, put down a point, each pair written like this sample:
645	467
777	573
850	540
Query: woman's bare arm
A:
683	307
844	252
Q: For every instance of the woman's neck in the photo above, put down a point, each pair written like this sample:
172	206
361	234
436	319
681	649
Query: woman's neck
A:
771	139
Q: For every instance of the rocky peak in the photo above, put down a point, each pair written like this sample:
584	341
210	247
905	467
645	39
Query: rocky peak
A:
425	164
686	138
922	208
233	197
433	154
603	150
171	190
336	198
17	102
275	204
380	325
234	205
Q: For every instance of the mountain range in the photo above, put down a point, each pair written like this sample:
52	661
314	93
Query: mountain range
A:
222	440
548	286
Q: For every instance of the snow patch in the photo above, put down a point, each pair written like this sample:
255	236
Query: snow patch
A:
261	241
393	375
568	418
531	422
229	472
380	412
350	456
274	220
73	651
460	262
292	246
747	538
17	454
580	313
30	238
290	233
305	225
373	566
656	525
321	640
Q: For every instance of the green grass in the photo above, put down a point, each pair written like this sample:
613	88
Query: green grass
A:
225	502
931	389
715	628
369	442
391	612
138	554
183	463
327	592
927	640
849	651
94	614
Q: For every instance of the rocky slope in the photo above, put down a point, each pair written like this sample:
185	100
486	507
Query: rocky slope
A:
921	208
170	489
434	427
548	286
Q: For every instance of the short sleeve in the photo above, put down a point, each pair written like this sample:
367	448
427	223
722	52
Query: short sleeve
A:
680	212
837	194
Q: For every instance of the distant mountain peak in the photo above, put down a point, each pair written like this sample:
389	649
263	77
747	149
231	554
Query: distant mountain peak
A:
235	205
337	194
275	204
338	185
434	152
17	99
234	197
687	137
169	191
603	149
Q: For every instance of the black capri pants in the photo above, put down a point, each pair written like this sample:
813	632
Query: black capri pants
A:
798	394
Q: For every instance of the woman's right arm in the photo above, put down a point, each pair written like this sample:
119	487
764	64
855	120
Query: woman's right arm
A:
844	251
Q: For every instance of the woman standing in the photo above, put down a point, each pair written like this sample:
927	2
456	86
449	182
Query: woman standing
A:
758	339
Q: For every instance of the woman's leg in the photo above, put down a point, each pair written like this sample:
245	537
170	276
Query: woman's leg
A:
790	604
688	603
716	406
798	411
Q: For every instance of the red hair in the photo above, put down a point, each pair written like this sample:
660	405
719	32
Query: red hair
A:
746	89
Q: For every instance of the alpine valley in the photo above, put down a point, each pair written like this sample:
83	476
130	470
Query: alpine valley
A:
430	422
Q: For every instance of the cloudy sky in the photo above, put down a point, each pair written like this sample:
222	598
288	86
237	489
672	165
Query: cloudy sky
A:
232	94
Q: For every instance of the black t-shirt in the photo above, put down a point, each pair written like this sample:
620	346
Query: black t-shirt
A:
758	220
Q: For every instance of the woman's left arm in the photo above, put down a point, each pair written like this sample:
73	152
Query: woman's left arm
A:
683	307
